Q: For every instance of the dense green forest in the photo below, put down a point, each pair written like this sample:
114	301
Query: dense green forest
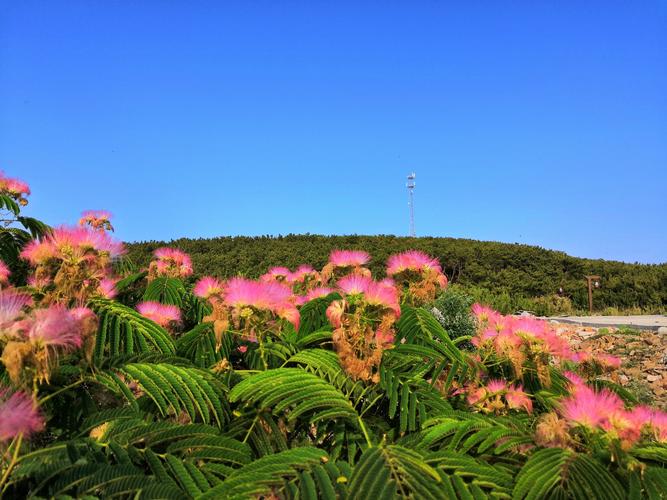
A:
508	276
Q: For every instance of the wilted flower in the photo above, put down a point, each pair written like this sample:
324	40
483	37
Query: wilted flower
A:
164	315
18	415
97	219
363	321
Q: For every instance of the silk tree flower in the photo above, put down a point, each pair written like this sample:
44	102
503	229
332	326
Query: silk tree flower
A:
165	315
315	293
4	273
107	288
304	272
589	408
418	275
363	324
55	326
354	284
343	262
15	188
66	243
11	306
208	287
270	296
18	415
280	274
97	219
349	258
170	263
517	398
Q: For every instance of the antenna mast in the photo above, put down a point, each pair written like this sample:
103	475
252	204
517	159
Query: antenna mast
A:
411	201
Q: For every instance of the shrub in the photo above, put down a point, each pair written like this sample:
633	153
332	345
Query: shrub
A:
452	309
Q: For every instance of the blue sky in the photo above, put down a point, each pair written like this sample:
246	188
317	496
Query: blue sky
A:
534	122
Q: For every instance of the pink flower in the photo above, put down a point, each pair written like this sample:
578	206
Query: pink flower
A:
412	260
277	274
67	242
313	294
303	271
162	314
272	296
380	294
172	259
348	258
494	386
55	326
384	337
335	313
609	361
290	313
16	188
516	398
107	288
11	305
589	408
207	287
18	415
354	284
4	273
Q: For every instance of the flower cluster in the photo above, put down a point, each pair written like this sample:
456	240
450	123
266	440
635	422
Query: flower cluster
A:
4	274
167	316
599	412
248	307
169	263
73	264
97	219
18	415
525	342
14	188
34	340
363	322
498	396
344	262
302	281
418	276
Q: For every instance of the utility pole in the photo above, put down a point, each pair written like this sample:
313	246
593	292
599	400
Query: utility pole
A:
411	201
592	284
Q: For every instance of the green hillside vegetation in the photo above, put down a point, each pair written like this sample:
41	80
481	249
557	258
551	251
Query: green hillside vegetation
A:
510	277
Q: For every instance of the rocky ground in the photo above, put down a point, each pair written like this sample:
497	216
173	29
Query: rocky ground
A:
644	355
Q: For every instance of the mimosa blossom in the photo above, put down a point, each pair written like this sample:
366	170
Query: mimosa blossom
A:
170	263
343	262
18	415
4	273
15	188
417	275
207	287
163	314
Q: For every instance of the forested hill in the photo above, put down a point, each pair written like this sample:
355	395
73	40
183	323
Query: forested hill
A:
500	268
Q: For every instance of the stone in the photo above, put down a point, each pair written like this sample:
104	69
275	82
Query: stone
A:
653	378
662	330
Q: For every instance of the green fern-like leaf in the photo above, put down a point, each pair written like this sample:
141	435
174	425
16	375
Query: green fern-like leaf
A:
559	473
124	331
393	471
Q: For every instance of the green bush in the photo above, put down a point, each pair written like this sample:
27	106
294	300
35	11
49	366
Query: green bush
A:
452	310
